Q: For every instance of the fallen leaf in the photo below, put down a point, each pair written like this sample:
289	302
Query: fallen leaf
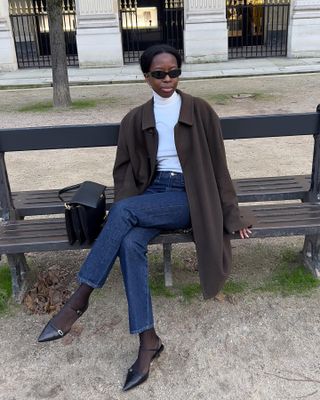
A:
48	294
220	297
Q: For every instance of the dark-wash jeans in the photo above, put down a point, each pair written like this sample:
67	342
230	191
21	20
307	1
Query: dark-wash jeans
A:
130	225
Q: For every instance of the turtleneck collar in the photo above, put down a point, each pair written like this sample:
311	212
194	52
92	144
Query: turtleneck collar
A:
186	113
158	100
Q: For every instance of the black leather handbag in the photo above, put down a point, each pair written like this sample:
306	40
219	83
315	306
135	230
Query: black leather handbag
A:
85	212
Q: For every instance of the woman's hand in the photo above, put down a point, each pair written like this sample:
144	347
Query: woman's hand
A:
244	233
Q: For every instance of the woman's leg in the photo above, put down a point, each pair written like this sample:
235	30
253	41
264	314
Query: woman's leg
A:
134	266
167	210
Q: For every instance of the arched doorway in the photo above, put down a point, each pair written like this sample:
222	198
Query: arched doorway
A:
147	22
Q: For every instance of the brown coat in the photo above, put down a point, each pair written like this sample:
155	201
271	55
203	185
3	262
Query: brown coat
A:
212	199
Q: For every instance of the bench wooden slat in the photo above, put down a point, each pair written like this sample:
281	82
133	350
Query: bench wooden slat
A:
287	219
50	234
272	188
42	202
294	210
34	235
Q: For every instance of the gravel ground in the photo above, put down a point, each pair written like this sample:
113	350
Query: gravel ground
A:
257	346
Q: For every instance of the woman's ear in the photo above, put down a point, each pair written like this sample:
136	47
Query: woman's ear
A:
146	77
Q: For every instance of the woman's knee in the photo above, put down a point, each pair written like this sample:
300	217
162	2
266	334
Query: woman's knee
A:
120	209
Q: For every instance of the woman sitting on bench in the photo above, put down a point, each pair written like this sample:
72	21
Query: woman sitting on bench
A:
170	173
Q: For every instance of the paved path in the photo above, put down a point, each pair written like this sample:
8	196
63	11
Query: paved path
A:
127	73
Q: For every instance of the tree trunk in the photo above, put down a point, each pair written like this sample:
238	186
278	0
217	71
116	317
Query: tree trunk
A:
61	92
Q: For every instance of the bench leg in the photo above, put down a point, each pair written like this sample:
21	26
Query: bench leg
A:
19	270
167	264
311	253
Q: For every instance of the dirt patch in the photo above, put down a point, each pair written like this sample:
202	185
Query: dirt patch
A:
260	346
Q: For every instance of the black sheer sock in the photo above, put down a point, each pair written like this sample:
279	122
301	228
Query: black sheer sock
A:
68	315
149	340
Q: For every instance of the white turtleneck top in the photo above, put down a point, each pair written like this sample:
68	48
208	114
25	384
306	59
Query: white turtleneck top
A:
166	112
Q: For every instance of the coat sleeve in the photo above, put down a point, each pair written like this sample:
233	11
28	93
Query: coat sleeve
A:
123	177
232	218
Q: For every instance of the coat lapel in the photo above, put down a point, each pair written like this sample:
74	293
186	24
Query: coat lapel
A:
186	112
150	133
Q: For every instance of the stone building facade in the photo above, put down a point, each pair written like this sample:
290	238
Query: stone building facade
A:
205	38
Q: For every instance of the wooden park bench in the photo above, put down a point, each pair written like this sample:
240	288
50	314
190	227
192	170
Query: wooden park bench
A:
45	233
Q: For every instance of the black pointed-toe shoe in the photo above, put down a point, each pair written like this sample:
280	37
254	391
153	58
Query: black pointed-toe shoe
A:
135	378
50	332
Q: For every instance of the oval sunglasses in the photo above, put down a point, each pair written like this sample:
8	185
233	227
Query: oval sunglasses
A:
174	73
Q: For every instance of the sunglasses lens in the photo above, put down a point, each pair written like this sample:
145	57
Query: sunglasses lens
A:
158	74
174	73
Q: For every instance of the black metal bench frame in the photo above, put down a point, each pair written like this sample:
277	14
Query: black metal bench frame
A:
19	236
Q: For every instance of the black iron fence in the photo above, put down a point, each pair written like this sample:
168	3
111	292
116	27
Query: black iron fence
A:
30	28
144	23
258	30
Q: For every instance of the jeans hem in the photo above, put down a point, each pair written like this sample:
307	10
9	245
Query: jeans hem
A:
134	331
89	283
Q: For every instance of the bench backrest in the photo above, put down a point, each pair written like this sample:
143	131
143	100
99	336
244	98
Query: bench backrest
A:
102	135
77	136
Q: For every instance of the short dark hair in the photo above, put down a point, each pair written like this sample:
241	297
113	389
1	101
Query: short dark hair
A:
149	54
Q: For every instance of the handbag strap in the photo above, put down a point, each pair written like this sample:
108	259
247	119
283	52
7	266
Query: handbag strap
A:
67	189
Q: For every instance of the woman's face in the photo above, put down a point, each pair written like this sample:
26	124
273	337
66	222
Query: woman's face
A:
166	86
